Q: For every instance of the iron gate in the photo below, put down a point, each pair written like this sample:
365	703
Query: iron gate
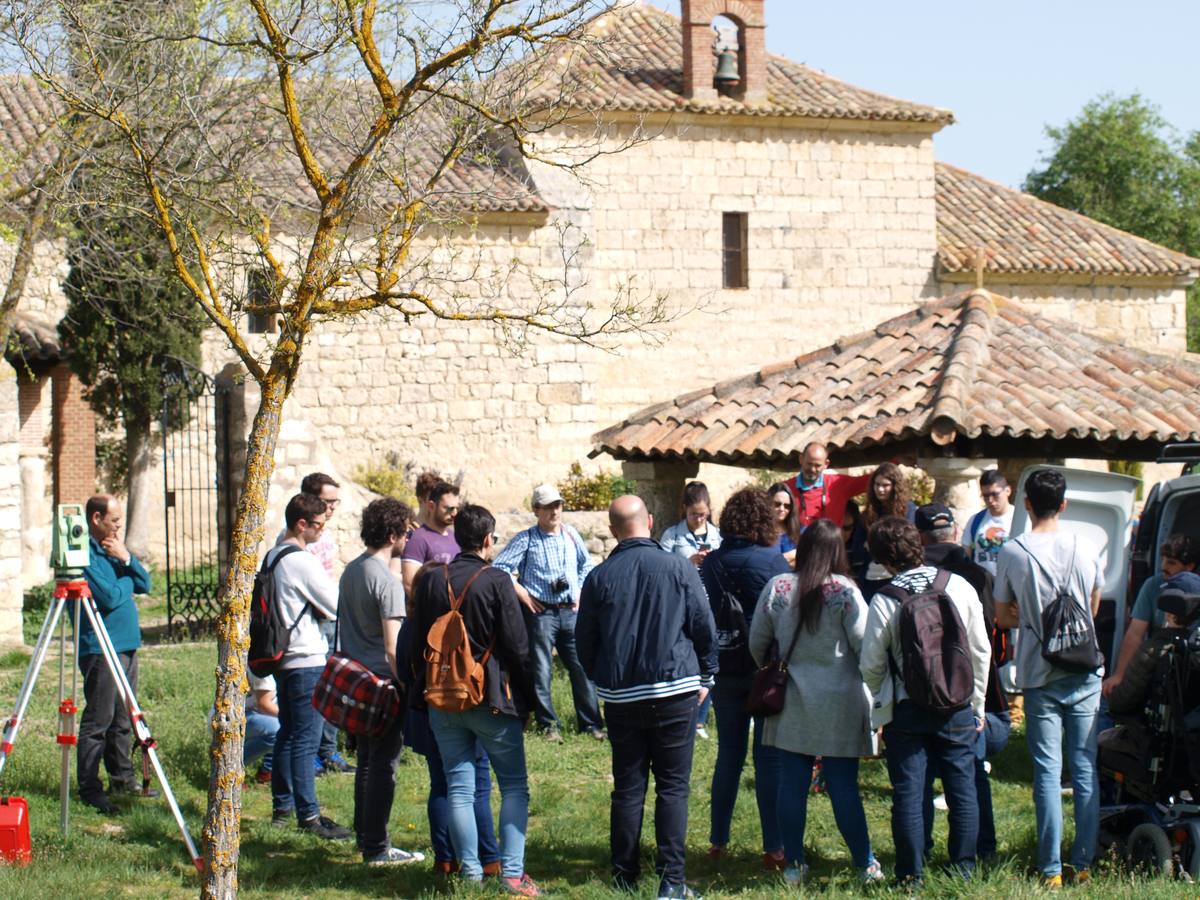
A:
198	505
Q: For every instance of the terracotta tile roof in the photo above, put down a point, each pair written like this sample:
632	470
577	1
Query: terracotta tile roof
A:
26	116
969	367
635	63
485	179
1021	233
36	340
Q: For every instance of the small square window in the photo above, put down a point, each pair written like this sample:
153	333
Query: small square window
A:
258	293
734	239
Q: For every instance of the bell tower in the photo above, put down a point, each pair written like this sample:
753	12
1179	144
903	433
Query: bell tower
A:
698	60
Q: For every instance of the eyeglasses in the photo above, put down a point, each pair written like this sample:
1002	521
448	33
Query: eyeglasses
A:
451	510
779	504
408	534
495	538
331	504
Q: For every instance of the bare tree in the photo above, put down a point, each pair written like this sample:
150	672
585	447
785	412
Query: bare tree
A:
343	149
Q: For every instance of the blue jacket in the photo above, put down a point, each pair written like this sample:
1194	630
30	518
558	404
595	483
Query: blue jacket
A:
113	585
745	568
644	628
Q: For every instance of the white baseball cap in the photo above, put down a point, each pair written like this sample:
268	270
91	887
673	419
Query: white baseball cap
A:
545	495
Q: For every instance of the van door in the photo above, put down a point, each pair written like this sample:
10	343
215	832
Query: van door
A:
1173	507
1099	510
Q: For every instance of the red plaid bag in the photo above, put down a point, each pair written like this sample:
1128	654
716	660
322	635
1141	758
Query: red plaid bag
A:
352	697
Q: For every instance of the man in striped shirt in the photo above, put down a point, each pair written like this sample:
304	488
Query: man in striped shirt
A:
646	637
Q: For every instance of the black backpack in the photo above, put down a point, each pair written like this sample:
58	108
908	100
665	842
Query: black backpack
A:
935	653
733	632
1068	632
269	634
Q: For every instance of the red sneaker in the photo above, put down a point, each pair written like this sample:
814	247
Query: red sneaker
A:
523	886
774	862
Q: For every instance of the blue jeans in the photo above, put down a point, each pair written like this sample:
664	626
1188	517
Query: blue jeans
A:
327	745
551	629
438	809
260	738
656	735
733	728
990	741
504	742
1068	705
293	781
841	782
917	739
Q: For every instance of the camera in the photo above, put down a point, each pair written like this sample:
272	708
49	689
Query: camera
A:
559	584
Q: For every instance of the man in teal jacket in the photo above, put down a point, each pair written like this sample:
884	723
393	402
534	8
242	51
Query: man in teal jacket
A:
114	576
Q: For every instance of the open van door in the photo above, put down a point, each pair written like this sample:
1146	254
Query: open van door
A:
1099	510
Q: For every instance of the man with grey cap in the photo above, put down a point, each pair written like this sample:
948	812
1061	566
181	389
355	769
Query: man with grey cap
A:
548	563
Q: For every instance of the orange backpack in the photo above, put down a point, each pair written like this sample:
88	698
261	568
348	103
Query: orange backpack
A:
454	679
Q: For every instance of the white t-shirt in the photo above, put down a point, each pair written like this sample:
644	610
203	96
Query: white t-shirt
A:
1074	563
984	540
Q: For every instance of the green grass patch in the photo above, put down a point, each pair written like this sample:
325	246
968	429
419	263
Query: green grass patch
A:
140	853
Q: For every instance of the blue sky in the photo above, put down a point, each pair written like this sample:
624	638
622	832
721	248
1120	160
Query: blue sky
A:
1005	69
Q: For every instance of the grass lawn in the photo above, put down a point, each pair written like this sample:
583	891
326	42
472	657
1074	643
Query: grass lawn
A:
140	853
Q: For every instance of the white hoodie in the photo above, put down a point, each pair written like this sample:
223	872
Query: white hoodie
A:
304	592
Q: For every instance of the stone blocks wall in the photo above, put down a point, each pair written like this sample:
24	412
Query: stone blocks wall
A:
11	595
1154	317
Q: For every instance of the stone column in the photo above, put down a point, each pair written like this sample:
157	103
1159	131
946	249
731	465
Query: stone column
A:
956	483
660	484
11	595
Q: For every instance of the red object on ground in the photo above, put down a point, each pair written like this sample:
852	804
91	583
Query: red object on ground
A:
14	831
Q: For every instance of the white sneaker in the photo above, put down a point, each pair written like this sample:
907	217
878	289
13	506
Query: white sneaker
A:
394	856
702	732
794	876
939	802
987	767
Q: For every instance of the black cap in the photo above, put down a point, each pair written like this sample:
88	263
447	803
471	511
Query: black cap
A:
932	516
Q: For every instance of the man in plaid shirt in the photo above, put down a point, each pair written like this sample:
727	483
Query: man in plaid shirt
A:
548	563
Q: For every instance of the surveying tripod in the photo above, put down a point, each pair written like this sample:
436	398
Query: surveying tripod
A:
70	587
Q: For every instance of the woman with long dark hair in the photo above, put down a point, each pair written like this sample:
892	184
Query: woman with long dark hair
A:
827	709
887	495
740	568
787	520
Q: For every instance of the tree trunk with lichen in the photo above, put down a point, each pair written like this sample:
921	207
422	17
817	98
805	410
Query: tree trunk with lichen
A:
221	836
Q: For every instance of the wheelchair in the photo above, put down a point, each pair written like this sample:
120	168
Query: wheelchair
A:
1150	763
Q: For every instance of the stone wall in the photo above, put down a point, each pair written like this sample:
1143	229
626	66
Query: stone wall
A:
10	509
1152	315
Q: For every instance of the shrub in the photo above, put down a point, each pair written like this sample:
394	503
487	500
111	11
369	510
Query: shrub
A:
592	492
391	478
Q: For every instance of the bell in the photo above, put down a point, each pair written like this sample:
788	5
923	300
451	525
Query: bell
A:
727	70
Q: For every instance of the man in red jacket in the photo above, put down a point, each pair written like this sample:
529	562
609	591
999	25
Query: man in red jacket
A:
820	494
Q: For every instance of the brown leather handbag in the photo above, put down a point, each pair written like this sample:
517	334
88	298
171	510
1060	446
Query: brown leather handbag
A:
769	689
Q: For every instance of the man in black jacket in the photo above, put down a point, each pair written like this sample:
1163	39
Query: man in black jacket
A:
646	637
495	627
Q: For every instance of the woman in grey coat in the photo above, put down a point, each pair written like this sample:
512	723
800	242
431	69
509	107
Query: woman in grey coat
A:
827	709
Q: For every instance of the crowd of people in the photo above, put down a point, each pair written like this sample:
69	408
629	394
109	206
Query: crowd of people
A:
842	595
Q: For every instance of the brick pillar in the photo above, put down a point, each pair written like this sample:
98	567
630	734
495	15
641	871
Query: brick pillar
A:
74	439
697	16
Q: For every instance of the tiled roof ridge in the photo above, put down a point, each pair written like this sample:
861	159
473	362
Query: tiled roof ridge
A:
1183	263
828	97
969	348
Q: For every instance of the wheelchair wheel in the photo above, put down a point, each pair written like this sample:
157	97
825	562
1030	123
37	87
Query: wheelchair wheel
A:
1148	850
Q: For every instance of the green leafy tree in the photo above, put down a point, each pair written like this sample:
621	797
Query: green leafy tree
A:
1121	163
126	312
